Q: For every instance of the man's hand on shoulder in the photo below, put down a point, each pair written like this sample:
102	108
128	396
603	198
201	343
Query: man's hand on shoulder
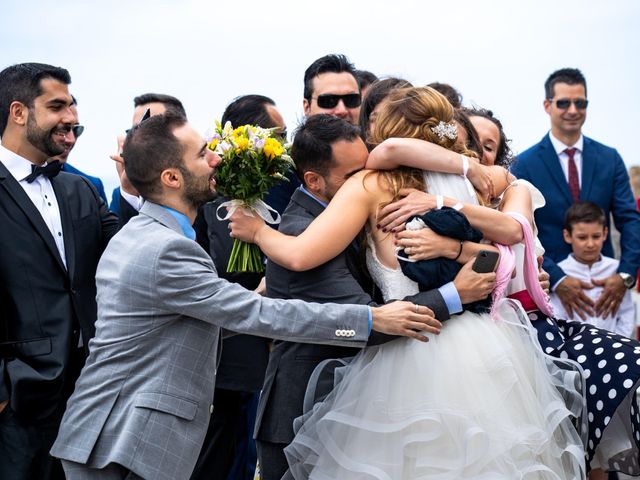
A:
473	286
405	319
574	300
611	297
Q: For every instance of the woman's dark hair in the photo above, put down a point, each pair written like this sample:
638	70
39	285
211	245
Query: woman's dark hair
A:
473	141
504	155
375	94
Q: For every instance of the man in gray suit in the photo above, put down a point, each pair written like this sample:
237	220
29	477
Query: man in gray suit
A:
142	403
327	151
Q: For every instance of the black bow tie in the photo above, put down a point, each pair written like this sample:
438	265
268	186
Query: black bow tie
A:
50	170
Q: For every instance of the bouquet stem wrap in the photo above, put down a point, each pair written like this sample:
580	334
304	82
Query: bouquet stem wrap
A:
247	257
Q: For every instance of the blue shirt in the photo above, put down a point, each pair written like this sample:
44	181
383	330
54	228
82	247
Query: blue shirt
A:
183	221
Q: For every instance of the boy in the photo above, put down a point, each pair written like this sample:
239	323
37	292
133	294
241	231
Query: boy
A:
585	230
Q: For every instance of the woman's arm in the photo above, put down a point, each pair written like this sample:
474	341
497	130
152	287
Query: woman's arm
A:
328	235
412	152
425	244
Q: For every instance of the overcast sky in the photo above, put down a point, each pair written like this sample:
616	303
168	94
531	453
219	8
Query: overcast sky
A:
497	53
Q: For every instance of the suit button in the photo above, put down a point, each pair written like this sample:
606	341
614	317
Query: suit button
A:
210	409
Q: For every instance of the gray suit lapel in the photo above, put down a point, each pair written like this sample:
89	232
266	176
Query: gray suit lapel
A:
160	214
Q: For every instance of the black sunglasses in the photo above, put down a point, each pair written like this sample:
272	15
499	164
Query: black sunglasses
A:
563	104
350	100
77	130
145	116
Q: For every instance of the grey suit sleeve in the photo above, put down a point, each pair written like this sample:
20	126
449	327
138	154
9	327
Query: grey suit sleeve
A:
186	283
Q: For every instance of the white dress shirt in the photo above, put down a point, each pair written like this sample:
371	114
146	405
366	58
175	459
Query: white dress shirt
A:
41	194
564	158
624	321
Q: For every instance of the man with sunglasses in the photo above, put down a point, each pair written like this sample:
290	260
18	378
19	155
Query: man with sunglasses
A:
70	140
567	166
331	87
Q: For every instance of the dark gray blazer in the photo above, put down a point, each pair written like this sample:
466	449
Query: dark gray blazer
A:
290	363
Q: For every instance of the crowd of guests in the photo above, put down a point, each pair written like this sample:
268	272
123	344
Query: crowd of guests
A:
54	298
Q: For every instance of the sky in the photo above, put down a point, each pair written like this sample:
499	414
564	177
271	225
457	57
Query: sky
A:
498	53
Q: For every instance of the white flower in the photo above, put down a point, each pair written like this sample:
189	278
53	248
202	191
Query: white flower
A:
448	130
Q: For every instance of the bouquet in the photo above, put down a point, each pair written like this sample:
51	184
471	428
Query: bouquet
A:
253	160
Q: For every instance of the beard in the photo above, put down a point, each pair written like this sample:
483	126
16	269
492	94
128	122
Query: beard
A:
197	189
42	139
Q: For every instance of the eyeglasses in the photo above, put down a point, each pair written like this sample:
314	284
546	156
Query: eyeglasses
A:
145	116
77	130
350	100
564	103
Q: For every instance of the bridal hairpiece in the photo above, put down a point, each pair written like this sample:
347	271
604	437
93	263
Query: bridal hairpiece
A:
444	129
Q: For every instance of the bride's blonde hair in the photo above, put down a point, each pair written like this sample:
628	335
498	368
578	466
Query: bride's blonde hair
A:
414	113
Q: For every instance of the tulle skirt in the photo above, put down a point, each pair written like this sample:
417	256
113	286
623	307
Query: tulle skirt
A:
478	401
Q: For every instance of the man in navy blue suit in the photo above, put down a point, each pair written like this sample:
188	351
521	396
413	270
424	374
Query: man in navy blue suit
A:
567	166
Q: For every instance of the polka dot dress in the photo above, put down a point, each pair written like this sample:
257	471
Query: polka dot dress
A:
611	365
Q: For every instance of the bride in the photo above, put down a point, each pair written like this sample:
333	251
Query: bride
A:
478	400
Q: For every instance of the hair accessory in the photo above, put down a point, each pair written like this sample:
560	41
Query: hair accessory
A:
444	129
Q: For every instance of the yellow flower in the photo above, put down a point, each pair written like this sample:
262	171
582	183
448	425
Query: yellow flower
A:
242	144
272	148
213	144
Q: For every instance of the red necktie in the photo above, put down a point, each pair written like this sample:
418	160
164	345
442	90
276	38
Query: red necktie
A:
574	183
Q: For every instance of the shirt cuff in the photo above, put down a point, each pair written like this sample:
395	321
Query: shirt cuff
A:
451	297
555	285
134	200
370	320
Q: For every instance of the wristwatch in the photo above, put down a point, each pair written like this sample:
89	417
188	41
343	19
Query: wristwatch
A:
628	280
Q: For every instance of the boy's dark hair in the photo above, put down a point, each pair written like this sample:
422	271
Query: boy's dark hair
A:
150	148
311	149
583	212
172	104
21	83
570	76
453	95
333	63
365	78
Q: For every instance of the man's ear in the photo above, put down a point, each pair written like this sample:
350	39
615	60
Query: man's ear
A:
171	178
314	182
566	235
306	107
547	106
18	113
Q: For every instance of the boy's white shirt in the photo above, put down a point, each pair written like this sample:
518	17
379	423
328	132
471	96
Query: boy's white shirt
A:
623	322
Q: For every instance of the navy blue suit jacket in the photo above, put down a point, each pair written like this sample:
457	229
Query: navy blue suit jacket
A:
604	181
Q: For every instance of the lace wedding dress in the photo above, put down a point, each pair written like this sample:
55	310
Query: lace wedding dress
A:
477	401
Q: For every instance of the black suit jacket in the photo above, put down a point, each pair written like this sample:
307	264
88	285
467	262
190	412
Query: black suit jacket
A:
291	364
42	303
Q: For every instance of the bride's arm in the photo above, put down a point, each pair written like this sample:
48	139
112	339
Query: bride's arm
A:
416	153
328	235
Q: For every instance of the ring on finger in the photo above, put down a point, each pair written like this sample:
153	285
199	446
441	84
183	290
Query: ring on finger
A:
416	307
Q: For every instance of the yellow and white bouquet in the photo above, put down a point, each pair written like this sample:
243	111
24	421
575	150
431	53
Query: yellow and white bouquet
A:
253	160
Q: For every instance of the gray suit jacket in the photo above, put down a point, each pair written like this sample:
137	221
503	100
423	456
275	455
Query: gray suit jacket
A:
291	363
143	399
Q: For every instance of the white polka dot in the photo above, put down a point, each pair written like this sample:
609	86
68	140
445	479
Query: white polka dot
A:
598	433
625	339
577	337
638	361
638	435
617	345
612	393
565	355
587	373
548	349
592	390
602	363
623	368
599	405
627	383
578	346
533	316
606	378
590	417
582	358
616	465
607	420
619	356
549	336
548	321
599	350
596	340
590	443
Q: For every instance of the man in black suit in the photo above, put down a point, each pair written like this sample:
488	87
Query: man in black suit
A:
327	151
54	229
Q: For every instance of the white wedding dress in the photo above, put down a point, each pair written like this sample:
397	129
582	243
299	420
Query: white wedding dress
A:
477	401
